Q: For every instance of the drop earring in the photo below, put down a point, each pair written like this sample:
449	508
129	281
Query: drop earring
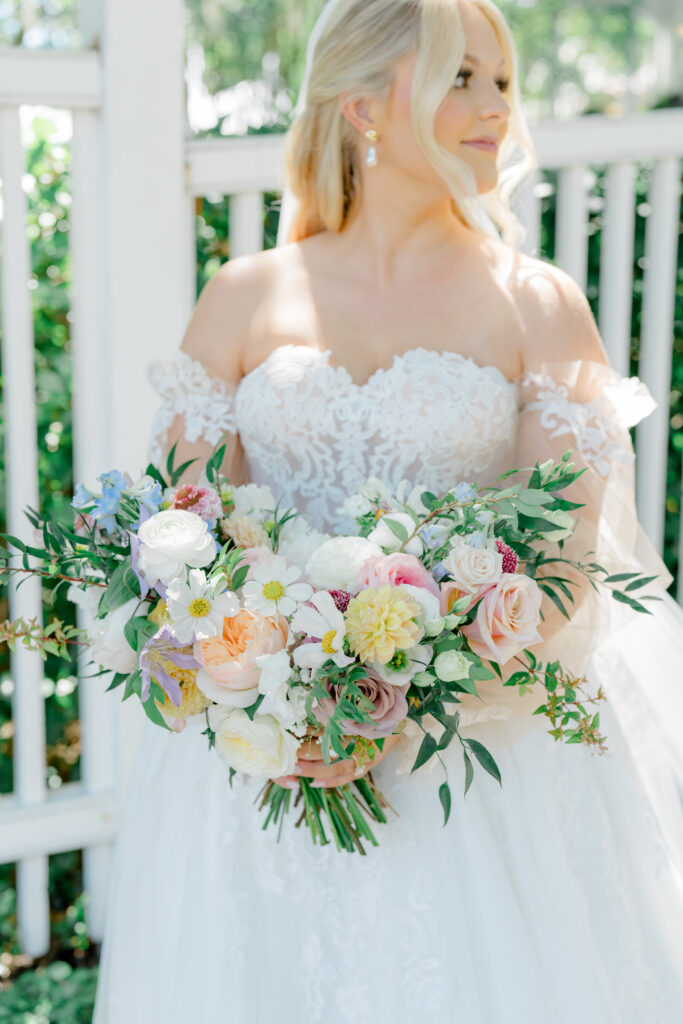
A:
371	158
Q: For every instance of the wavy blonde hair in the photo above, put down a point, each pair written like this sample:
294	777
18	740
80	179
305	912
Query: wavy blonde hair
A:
358	50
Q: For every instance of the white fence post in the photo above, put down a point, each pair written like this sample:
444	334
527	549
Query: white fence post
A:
661	245
145	224
21	458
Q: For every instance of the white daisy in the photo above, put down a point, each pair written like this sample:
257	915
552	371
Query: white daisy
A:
273	590
197	608
326	624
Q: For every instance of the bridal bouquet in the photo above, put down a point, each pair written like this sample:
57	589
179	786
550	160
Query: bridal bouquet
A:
213	600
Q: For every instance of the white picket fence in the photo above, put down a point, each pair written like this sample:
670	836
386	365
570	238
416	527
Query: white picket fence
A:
135	181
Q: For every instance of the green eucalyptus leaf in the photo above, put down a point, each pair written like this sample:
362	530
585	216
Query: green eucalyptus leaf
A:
445	798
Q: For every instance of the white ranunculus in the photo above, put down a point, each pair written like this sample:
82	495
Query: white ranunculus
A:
473	567
387	539
171	540
108	645
337	562
260	747
451	666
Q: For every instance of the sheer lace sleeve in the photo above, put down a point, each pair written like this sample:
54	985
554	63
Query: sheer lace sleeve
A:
588	408
188	389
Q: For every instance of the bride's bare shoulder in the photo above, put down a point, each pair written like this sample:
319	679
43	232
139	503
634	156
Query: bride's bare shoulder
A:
558	323
222	322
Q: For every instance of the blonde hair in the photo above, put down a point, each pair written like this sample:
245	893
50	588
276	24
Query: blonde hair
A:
357	51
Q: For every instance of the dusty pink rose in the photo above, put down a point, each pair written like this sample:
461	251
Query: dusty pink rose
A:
507	619
391	707
254	557
395	569
228	671
203	501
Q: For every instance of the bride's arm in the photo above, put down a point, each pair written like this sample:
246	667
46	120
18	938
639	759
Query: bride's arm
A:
572	400
198	384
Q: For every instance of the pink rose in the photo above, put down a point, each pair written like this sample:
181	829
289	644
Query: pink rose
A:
229	673
507	619
391	707
395	569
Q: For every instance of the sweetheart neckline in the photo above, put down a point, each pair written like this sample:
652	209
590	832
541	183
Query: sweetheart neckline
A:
398	358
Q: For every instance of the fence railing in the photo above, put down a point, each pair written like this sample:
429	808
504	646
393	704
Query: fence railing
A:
122	316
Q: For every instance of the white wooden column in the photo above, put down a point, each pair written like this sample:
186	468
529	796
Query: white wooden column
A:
145	224
616	264
661	245
21	458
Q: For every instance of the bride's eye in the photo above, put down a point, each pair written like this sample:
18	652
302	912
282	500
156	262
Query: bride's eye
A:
503	84
462	79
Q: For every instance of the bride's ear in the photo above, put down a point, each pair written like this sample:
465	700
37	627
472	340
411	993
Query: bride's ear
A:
359	111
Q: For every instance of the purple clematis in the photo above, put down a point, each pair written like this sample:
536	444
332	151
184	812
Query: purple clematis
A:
161	653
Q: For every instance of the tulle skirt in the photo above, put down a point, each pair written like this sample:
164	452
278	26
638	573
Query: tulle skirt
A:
555	898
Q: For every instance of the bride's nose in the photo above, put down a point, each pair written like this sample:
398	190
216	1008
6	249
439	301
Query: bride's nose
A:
494	105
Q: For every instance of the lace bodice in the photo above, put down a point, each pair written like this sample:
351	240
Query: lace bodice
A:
314	435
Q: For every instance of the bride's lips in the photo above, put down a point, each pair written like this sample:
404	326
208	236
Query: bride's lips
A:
486	145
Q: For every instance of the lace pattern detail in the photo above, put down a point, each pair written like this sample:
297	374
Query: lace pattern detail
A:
432	417
600	426
188	389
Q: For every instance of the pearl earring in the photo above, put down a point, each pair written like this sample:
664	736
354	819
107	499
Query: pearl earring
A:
371	158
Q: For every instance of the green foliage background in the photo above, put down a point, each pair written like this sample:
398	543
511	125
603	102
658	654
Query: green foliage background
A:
235	35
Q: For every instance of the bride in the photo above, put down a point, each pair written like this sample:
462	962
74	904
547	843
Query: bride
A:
397	332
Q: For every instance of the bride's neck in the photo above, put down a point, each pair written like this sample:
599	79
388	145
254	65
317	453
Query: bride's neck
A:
388	241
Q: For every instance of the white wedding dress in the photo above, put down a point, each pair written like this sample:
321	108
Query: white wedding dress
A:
554	899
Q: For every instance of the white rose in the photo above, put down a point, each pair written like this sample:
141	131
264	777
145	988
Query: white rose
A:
108	645
336	563
387	539
451	665
472	568
259	747
171	540
252	498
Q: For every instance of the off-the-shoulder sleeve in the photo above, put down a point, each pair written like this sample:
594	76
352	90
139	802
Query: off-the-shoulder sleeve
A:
188	389
588	408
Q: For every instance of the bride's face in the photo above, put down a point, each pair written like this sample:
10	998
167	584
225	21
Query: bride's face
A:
474	109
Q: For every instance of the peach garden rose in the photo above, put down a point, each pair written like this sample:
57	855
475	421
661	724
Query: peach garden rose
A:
229	673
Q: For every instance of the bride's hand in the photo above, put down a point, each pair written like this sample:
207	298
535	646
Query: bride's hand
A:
310	763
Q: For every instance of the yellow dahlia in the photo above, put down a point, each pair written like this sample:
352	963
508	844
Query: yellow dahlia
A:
379	621
193	701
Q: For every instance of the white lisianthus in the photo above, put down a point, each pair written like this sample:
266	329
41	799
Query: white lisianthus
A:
260	747
172	540
196	609
337	562
430	606
276	672
108	645
251	498
387	539
356	506
404	666
298	541
326	623
451	666
273	590
411	495
473	567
